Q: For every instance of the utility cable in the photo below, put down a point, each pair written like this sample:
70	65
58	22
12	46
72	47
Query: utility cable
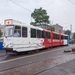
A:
20	6
71	2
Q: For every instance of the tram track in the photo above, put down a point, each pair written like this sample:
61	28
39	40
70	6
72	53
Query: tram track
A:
2	57
12	61
5	57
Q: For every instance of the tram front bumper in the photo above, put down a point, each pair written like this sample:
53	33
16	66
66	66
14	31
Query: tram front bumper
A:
8	49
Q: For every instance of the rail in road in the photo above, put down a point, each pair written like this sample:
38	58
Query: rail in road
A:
23	60
10	56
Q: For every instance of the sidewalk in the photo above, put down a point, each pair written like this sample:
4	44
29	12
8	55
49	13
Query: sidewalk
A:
63	69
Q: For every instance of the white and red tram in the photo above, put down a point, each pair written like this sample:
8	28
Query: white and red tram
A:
29	37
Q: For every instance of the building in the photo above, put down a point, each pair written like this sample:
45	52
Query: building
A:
58	28
2	29
44	26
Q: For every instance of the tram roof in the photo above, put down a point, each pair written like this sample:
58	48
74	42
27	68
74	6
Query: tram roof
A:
64	34
16	22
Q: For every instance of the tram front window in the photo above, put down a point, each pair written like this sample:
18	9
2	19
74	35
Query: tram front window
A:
9	31
17	31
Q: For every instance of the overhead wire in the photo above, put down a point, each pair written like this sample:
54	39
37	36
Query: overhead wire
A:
71	2
20	6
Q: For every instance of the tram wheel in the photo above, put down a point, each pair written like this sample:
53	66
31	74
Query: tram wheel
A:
15	53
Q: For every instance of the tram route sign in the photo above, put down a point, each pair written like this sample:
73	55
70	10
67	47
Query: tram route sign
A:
8	22
12	21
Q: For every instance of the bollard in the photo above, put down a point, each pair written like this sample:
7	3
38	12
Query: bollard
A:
73	49
1	45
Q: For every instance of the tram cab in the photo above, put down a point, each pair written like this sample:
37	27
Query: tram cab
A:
20	37
66	39
12	39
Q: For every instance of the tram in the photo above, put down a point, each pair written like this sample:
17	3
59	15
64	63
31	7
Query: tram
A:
20	37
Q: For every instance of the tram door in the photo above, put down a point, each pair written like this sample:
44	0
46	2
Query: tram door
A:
8	38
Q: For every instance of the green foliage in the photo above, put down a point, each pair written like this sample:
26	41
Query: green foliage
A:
40	17
68	32
51	28
74	35
72	41
0	33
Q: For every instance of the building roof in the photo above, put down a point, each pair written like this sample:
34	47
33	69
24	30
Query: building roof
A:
57	25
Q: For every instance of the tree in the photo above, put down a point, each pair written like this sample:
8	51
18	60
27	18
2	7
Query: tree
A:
68	32
74	35
40	17
51	28
0	33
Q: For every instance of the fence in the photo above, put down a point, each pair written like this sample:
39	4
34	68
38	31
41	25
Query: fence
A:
1	44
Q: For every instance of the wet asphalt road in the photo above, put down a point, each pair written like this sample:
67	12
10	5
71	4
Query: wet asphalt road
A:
11	61
45	55
63	69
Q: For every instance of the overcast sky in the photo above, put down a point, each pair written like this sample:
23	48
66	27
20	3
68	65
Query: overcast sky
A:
60	11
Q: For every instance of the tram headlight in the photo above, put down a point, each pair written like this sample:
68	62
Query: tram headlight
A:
3	44
7	45
11	45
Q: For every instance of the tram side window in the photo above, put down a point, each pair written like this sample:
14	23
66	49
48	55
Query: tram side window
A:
62	37
39	34
42	34
55	36
17	31
24	32
47	35
33	33
65	37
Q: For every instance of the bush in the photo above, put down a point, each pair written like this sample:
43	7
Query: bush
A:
0	33
72	41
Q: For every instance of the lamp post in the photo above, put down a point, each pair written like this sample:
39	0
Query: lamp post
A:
71	31
71	28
